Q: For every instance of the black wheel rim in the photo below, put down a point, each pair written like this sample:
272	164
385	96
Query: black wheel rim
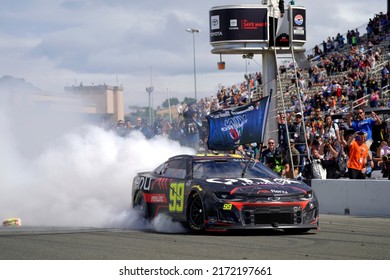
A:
196	212
140	204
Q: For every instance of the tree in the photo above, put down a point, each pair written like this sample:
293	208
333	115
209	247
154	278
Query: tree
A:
174	101
189	100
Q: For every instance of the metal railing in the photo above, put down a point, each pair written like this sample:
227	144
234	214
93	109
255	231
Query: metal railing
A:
356	103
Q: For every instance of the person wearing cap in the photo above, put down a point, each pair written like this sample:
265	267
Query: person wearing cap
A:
330	149
315	123
297	133
358	155
364	124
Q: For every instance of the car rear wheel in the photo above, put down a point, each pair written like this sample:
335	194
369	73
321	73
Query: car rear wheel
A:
195	213
140	205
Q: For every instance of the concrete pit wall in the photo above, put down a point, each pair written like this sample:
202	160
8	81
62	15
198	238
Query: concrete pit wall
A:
354	197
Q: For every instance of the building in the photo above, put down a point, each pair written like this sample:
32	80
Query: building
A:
102	100
96	102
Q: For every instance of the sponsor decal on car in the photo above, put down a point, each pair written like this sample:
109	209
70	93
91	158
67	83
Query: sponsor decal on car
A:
257	181
263	191
212	220
279	191
197	187
155	198
143	183
286	181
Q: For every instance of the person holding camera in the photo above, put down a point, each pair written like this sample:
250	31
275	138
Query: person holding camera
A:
331	127
315	124
358	155
330	149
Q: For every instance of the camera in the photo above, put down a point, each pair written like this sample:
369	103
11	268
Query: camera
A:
326	137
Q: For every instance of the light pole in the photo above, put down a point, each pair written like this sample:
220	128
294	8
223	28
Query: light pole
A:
169	107
149	90
193	31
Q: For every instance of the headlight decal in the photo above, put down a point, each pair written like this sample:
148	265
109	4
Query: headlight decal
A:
228	197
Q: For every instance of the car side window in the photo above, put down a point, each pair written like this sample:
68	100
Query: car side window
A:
161	169
175	169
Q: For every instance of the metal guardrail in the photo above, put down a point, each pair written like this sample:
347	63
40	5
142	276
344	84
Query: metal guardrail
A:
378	67
356	103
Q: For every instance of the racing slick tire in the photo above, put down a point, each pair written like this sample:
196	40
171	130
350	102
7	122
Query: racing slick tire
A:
140	205
195	213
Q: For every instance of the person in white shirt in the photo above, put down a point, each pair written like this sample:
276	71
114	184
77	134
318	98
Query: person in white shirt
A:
383	157
276	11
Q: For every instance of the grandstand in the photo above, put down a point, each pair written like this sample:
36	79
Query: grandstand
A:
292	86
367	45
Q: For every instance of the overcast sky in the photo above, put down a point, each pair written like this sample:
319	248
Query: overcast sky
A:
57	43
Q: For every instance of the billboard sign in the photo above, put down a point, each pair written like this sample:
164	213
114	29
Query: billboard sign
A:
237	23
298	26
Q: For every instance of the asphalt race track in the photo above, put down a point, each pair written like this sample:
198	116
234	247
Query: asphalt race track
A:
340	238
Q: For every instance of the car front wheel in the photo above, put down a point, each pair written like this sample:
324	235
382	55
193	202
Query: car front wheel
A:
195	213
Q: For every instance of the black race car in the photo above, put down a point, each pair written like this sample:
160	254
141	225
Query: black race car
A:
222	192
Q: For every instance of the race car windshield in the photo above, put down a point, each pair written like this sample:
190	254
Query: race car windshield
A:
231	169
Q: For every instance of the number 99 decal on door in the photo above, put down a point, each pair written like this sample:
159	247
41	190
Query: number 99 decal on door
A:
176	197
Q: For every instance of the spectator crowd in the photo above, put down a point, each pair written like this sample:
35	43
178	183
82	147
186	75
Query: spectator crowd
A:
324	132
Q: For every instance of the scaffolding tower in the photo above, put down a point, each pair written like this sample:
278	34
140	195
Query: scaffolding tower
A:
252	29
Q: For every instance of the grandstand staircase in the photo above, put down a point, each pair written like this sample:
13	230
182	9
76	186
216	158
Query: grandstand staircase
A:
282	97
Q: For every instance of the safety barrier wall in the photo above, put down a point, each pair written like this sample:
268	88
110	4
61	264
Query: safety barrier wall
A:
354	197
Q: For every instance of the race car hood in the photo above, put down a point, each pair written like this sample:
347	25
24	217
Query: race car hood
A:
259	186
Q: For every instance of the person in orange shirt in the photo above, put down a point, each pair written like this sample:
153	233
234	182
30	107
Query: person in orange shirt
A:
358	155
332	103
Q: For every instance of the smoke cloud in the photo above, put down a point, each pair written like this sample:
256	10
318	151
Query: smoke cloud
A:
58	170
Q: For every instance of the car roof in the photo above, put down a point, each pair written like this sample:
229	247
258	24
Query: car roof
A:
207	156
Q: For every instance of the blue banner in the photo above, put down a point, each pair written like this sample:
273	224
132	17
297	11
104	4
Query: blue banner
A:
236	126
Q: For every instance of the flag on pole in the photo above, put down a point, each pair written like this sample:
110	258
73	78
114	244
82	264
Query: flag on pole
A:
229	128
